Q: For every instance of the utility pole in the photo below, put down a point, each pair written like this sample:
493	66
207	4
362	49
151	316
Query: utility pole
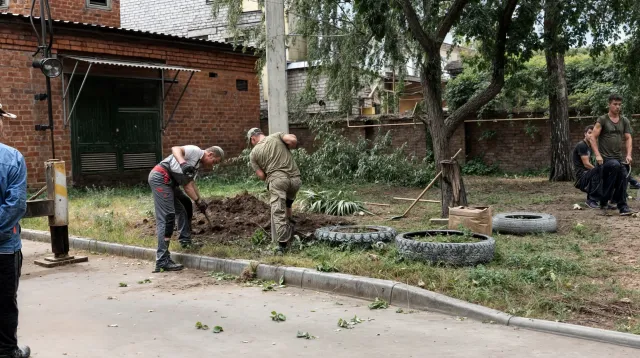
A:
276	67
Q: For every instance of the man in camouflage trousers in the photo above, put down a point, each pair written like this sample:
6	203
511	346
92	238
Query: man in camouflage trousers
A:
272	161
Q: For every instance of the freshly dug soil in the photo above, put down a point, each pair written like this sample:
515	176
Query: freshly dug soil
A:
239	217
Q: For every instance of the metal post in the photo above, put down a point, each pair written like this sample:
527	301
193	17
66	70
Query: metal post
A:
276	67
59	221
58	216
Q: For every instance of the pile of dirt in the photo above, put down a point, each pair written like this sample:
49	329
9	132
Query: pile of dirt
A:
240	216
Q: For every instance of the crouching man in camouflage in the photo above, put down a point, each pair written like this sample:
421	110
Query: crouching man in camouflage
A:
272	161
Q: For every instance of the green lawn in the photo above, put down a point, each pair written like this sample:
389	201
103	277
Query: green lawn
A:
568	276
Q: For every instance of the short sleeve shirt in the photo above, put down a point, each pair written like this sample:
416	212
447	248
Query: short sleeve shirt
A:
581	150
274	158
192	155
612	137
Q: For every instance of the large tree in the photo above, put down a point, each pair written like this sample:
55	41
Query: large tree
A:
348	41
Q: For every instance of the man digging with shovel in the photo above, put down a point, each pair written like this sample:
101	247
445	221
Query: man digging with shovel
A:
272	161
170	203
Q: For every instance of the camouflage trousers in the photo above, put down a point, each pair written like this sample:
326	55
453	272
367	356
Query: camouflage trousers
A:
282	192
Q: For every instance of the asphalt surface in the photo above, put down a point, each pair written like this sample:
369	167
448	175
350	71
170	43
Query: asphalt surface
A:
80	311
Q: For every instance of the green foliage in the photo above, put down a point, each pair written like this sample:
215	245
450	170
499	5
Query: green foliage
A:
338	159
278	317
477	166
590	81
259	237
325	266
201	326
378	304
330	203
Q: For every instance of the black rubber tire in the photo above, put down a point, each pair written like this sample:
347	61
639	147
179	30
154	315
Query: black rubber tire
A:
333	235
521	223
458	254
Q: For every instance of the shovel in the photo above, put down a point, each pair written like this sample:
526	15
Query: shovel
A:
424	191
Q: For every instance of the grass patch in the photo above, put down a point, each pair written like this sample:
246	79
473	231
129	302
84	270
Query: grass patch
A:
547	276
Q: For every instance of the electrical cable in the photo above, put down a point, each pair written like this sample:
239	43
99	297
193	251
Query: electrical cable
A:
33	5
50	23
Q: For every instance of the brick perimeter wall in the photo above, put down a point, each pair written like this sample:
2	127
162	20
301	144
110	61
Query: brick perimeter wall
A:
413	135
212	111
520	145
71	10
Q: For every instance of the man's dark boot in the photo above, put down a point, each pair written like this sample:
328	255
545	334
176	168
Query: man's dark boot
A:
626	211
171	266
21	352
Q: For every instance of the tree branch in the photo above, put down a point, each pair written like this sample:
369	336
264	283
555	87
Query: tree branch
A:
497	76
415	26
449	19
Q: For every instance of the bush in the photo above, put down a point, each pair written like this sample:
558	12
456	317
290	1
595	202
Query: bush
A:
339	160
477	166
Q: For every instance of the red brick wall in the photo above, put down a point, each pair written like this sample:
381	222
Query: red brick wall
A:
212	111
71	10
518	145
413	135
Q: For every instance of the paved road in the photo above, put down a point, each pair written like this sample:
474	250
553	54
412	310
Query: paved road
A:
66	312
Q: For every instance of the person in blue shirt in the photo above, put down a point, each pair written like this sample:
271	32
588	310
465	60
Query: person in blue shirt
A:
13	206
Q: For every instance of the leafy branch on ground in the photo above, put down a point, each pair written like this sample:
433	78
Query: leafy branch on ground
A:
201	326
343	323
221	276
122	284
305	335
146	280
378	304
278	317
217	329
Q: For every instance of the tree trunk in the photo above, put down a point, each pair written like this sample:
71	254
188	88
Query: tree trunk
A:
561	164
432	91
455	194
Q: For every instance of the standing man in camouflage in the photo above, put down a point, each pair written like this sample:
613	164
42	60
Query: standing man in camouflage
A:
272	161
609	133
13	206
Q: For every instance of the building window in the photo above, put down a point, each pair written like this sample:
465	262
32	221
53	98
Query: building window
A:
4	4
99	4
242	85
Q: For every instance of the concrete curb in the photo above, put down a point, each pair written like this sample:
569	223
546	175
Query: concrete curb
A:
393	292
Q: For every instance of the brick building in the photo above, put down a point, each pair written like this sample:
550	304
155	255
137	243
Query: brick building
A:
144	93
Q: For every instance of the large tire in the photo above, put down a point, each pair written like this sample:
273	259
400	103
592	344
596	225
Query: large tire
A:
458	254
521	223
337	234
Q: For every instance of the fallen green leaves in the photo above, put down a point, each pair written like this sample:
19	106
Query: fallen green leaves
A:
378	304
201	326
217	329
122	284
271	285
278	317
343	323
305	335
146	280
221	276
